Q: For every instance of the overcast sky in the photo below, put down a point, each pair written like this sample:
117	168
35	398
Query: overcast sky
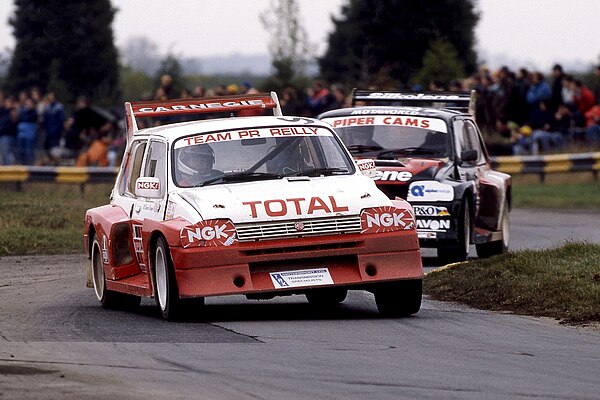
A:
534	33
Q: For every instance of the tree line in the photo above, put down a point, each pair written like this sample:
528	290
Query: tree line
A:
68	48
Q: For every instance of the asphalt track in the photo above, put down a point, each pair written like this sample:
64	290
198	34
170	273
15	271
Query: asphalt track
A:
56	342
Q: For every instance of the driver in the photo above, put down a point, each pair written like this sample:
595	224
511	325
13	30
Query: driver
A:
363	136
195	164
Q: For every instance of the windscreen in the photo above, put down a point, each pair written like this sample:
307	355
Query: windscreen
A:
258	154
390	136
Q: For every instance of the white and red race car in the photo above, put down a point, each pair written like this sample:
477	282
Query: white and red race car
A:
261	206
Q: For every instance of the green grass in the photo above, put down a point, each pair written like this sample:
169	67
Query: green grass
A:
562	283
557	195
46	218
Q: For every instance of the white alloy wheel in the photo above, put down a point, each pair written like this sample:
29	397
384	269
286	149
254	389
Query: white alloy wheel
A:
98	270
161	265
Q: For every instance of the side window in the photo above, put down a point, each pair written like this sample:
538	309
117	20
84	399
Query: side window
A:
136	158
460	142
472	137
156	163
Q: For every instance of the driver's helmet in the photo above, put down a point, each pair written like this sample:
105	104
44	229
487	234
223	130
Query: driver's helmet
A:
196	160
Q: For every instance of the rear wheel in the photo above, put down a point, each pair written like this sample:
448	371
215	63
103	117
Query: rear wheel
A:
108	298
399	299
326	297
500	246
460	249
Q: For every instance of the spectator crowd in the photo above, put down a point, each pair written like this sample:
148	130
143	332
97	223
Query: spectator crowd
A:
534	113
524	112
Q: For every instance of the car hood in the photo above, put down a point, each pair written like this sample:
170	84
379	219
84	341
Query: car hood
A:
285	199
407	170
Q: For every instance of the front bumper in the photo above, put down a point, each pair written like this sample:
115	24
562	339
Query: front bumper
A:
245	268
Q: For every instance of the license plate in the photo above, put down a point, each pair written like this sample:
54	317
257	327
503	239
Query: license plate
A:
301	277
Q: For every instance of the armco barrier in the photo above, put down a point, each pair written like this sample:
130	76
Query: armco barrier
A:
19	174
514	165
542	165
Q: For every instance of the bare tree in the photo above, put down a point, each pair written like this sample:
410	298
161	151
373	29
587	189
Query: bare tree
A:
288	46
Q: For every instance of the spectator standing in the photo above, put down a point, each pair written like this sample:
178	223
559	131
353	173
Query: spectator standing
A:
484	112
583	97
598	85
557	85
166	84
54	122
502	91
245	87
290	104
8	129
521	107
338	98
82	128
199	92
27	123
568	92
317	98
538	96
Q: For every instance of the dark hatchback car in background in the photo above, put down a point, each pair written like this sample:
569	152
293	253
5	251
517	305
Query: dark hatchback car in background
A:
429	150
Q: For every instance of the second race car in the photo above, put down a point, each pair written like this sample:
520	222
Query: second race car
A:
428	150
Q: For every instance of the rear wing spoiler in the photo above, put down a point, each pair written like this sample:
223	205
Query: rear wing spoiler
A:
458	101
220	104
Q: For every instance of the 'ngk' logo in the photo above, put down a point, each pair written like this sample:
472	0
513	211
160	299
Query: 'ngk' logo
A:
147	185
208	233
385	219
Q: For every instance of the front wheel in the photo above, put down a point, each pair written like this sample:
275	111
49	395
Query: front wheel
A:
399	299
459	250
166	291
108	298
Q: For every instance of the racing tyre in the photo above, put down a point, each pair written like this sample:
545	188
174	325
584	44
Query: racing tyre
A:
399	299
326	297
166	291
108	298
485	250
460	250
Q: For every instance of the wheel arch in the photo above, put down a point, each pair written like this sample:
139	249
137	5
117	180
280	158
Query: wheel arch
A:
91	233
462	192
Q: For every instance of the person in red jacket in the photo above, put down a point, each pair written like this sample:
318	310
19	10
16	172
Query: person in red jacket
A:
583	97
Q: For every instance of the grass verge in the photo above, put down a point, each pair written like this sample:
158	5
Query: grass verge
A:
46	218
579	195
562	283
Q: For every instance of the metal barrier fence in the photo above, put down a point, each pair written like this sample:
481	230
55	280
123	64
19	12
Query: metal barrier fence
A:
514	165
548	164
20	174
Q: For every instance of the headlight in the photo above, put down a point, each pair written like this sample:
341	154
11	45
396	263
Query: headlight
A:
386	219
213	232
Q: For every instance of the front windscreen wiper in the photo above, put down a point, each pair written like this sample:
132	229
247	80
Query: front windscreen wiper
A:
319	171
241	177
359	148
408	151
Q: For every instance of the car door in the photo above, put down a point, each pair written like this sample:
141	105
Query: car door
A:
469	164
490	189
154	165
127	260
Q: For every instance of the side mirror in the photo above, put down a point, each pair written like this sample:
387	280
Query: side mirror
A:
469	155
367	167
148	187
